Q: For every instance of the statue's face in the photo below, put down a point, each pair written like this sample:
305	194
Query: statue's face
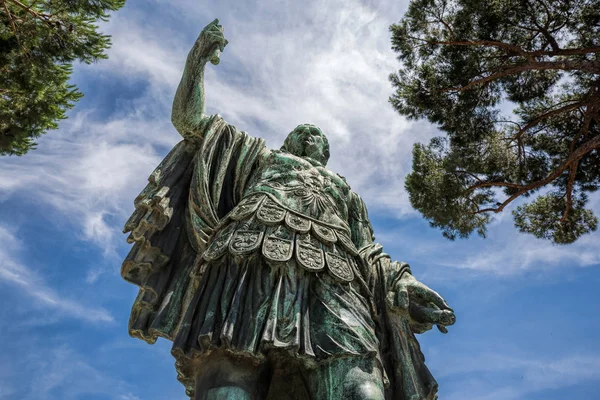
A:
308	141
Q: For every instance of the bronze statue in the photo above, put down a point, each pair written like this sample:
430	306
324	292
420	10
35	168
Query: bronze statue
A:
260	266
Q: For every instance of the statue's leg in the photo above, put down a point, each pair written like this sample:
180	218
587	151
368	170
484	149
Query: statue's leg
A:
222	376
352	378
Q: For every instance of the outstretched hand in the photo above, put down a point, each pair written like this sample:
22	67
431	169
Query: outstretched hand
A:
210	43
424	306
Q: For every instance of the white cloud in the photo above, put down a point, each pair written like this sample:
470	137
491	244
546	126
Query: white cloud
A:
128	396
504	252
328	64
32	285
287	63
62	373
525	252
86	174
537	374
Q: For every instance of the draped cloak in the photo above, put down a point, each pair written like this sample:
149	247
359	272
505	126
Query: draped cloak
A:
185	204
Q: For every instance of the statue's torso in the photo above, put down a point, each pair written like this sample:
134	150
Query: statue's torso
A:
291	209
310	190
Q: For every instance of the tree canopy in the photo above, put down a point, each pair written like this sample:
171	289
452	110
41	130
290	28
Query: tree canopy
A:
515	86
39	41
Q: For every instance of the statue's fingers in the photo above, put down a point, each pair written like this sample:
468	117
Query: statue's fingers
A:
218	40
218	37
215	30
212	26
431	315
431	295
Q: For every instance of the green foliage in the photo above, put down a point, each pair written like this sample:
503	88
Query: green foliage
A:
465	62
542	218
39	41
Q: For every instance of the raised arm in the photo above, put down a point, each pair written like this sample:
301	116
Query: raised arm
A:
188	106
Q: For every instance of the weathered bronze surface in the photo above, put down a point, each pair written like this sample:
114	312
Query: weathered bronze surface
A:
260	266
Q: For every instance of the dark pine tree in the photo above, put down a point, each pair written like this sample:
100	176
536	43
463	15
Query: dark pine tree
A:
39	41
464	63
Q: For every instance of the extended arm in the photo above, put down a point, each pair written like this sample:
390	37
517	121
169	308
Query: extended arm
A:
403	293
188	106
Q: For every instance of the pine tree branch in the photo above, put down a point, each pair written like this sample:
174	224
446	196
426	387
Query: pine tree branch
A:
42	17
441	19
12	22
574	157
447	26
592	67
585	128
501	206
572	174
551	40
583	132
506	121
542	117
544	29
567	52
495	184
511	47
485	43
469	173
585	66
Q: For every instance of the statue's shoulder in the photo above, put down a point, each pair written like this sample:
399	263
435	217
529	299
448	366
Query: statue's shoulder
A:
358	208
283	154
342	177
284	157
214	129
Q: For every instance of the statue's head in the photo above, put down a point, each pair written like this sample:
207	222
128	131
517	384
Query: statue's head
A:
307	141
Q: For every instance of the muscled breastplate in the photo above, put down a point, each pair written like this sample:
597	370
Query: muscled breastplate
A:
291	210
312	191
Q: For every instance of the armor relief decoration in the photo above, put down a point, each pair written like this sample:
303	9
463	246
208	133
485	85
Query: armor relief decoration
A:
260	222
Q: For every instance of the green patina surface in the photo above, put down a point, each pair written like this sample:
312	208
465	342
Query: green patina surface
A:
260	265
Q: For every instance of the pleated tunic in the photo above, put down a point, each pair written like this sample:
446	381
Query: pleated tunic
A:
257	252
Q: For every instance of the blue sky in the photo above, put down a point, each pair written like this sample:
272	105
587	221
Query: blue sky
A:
527	324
